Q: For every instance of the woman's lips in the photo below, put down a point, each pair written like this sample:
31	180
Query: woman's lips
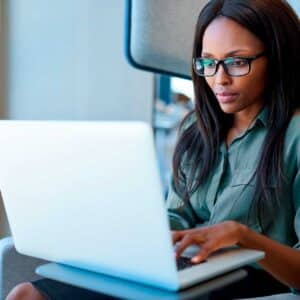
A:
226	97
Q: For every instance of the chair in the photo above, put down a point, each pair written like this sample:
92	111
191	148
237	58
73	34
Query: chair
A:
156	41
14	267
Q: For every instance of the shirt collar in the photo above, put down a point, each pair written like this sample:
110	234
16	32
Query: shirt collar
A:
263	117
261	120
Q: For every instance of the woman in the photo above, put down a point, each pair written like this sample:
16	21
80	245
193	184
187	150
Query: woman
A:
237	161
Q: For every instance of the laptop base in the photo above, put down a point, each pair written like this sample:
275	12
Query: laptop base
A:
121	288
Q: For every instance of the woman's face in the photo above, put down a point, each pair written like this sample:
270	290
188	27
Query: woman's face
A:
225	38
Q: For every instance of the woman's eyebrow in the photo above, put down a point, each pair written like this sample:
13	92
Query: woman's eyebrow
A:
231	53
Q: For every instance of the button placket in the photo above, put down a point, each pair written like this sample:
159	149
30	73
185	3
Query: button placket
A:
215	186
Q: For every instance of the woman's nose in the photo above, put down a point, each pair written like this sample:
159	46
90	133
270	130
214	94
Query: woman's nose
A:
221	77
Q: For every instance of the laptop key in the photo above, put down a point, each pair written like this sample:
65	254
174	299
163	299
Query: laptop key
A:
183	263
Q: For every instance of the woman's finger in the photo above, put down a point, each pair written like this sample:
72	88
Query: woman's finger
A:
177	236
206	249
186	241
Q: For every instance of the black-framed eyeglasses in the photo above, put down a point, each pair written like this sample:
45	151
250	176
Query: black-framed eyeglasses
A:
233	66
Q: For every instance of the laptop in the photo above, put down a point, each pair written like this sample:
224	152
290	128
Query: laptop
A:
87	194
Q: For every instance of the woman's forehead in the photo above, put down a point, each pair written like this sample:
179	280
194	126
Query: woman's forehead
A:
223	36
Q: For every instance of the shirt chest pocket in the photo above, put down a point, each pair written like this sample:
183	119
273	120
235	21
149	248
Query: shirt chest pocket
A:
245	177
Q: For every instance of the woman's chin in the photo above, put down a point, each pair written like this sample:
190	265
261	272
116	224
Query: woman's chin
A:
229	109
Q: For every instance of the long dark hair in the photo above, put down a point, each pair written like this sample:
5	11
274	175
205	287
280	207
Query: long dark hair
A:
276	24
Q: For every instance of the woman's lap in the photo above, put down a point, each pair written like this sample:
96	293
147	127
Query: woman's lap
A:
257	283
54	290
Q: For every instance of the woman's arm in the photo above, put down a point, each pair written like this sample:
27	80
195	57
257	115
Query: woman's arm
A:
181	215
281	261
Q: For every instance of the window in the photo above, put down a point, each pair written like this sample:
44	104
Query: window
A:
174	99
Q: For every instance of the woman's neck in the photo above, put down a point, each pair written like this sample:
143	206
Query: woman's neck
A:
243	120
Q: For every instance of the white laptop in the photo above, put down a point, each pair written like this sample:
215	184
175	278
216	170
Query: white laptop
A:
88	195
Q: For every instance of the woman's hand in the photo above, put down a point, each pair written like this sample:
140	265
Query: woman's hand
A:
210	238
282	261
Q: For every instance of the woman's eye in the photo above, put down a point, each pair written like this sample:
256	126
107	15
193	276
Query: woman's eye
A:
208	63
237	62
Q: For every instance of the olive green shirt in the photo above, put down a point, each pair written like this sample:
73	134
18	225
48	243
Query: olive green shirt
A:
229	191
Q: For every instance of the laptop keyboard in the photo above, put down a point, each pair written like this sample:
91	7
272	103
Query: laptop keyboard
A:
183	263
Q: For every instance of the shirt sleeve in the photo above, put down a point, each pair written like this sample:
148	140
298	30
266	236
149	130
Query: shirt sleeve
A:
181	215
295	127
296	199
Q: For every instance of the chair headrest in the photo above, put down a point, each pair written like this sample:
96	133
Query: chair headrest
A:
160	35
